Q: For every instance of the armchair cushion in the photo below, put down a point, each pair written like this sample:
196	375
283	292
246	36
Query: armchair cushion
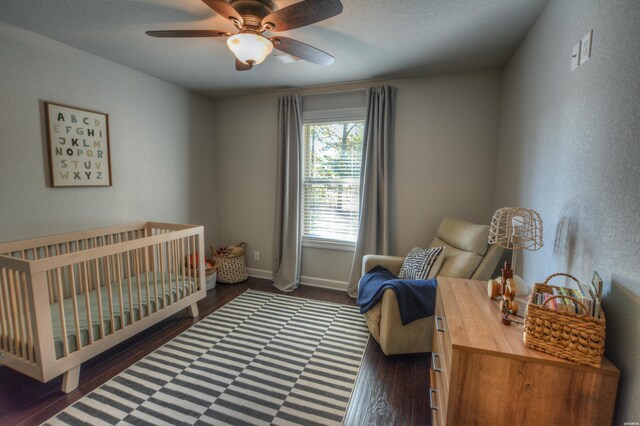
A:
421	263
457	263
463	235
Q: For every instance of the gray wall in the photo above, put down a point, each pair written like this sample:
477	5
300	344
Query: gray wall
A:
569	149
444	164
161	142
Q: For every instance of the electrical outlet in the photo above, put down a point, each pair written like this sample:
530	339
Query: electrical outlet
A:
575	56
256	255
585	50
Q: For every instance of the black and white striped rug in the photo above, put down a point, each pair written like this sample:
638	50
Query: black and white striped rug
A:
261	359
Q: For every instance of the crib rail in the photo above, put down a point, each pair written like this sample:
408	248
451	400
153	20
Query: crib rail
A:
35	248
56	245
59	296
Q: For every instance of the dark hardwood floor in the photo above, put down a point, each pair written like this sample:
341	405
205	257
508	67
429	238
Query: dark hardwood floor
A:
388	391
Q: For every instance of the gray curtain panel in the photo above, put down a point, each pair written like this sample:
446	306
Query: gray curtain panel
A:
373	226
286	241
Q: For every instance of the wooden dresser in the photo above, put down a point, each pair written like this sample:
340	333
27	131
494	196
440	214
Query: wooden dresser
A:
481	372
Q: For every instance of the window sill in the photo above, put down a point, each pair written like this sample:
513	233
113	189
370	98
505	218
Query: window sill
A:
328	244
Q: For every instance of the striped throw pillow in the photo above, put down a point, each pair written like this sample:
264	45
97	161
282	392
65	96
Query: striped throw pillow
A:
422	263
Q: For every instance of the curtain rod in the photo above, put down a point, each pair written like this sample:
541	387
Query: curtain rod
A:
335	92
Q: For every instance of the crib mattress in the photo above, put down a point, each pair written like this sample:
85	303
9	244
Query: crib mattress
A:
122	315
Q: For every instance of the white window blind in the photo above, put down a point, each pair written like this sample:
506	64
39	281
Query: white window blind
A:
331	177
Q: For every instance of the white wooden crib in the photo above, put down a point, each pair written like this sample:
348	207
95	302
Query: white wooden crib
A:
66	298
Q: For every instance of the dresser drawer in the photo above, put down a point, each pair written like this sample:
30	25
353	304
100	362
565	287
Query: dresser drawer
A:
438	367
442	340
438	398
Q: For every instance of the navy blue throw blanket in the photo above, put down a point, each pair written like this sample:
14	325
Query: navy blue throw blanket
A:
416	298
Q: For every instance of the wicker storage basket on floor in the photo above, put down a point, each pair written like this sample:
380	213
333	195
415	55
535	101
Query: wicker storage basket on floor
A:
576	337
209	276
231	268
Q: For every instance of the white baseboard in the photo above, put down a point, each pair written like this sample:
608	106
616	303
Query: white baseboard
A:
260	273
324	283
310	281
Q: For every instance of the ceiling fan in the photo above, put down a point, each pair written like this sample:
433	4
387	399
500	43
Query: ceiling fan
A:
255	17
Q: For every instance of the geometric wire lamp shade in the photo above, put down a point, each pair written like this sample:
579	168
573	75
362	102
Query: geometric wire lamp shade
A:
516	228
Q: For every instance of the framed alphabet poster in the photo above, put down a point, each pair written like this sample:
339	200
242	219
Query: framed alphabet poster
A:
78	144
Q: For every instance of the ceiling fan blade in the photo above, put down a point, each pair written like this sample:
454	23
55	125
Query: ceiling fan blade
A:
241	66
303	13
224	9
188	33
302	50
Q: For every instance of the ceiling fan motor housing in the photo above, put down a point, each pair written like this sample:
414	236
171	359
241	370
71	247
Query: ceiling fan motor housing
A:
252	11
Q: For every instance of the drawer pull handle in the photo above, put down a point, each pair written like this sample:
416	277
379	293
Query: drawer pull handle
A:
439	326
431	392
434	366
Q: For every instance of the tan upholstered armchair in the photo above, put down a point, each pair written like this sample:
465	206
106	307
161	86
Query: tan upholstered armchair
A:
467	255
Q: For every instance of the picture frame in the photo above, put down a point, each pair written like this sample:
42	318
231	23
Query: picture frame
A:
78	146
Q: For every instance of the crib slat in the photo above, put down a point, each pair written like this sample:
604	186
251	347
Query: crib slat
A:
174	279
167	259
120	293
84	276
98	289
188	267
22	326
139	281
130	290
50	278
161	261
178	269
191	270
15	313
63	320
196	281
67	289
181	266
106	266
169	267
28	314
146	277
74	302
36	257
154	265
185	267
3	320
194	273
7	326
79	248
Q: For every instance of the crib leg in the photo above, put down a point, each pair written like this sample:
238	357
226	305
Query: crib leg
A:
193	310
70	379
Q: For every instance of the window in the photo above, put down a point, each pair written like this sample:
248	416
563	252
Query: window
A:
331	180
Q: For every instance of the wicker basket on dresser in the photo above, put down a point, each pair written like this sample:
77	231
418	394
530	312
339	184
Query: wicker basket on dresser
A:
482	373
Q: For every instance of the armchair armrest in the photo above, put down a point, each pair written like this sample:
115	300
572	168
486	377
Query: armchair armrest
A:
392	263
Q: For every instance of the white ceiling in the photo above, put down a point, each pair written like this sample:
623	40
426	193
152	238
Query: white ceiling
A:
371	39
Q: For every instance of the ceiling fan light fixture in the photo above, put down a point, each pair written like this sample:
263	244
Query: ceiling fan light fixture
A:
250	48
